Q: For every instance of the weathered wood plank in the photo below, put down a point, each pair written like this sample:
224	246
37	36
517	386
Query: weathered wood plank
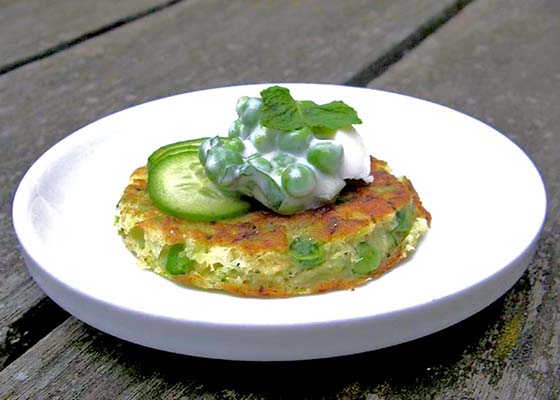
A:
81	362
191	45
29	29
77	361
498	61
32	28
515	90
509	350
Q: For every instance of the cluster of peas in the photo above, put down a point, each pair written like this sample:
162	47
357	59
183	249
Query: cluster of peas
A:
280	169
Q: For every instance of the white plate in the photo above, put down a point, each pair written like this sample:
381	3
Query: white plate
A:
486	197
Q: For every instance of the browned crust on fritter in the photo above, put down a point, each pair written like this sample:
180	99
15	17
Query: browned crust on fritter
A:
359	206
262	230
337	284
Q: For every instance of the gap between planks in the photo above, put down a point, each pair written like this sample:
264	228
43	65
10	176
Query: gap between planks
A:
86	36
395	53
12	349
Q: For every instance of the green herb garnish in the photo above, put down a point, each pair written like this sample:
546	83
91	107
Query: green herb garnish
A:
283	113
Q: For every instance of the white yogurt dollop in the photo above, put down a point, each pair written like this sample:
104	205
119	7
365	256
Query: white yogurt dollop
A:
356	162
287	171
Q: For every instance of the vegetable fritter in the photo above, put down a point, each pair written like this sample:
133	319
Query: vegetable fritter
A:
337	246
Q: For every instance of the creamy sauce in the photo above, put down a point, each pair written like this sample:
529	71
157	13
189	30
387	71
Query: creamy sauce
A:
355	165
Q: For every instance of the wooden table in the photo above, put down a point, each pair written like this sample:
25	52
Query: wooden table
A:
64	64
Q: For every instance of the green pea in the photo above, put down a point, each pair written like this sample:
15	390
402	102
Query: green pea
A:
242	105
289	207
235	129
137	235
298	180
324	133
238	129
369	259
249	110
260	163
218	160
307	252
177	263
296	141
403	219
282	160
235	144
264	139
258	184
205	148
326	156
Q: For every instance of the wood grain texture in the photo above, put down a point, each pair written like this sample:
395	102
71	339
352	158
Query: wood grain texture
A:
192	45
510	350
32	27
498	61
76	361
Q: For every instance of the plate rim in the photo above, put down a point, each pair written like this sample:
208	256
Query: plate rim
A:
34	266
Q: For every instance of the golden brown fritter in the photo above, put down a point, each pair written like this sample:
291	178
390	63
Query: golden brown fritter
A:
360	236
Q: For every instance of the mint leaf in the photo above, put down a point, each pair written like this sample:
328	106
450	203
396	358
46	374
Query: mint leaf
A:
283	113
334	115
280	110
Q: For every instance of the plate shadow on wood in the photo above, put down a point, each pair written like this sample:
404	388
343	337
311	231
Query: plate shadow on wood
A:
483	343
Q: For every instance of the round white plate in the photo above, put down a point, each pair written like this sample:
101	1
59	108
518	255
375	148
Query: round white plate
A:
486	197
